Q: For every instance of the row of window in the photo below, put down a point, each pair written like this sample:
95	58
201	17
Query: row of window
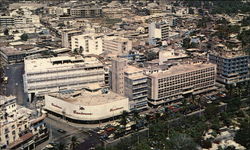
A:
187	81
193	83
184	75
167	93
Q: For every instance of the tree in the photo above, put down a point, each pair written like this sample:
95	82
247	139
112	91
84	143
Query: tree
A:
150	55
143	146
6	31
74	143
186	43
80	50
180	141
191	11
24	37
211	111
61	25
136	115
124	118
242	135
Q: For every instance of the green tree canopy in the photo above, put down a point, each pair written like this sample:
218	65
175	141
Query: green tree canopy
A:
242	136
24	37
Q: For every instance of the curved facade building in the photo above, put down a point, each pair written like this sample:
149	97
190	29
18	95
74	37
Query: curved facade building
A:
86	106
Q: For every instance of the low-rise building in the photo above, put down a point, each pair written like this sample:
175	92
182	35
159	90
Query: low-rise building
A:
19	127
58	73
117	45
17	54
90	105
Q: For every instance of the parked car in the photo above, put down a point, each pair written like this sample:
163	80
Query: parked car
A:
61	131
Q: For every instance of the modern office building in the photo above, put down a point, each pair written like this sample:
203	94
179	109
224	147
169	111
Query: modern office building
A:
136	88
232	66
19	128
178	81
131	82
59	73
117	45
89	105
67	35
158	30
86	44
86	11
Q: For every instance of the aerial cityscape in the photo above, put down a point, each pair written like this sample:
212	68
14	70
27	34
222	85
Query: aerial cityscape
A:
125	75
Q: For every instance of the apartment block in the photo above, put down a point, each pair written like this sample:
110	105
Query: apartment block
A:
136	88
117	45
158	30
89	43
67	35
7	21
180	81
19	128
47	75
232	66
86	12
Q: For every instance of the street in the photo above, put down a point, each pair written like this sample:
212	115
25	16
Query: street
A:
14	86
85	139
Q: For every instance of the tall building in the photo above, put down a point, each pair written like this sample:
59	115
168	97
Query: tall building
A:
232	66
90	43
67	35
59	73
117	45
158	30
136	88
179	81
19	128
130	82
117	75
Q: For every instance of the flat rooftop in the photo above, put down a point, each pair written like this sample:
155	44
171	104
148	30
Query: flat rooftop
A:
88	98
229	54
181	68
59	63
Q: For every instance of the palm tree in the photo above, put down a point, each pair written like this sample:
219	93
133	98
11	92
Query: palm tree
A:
124	118
136	115
74	143
180	141
61	146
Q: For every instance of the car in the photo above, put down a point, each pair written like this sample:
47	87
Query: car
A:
61	131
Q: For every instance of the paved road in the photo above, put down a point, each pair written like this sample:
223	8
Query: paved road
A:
15	82
56	137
